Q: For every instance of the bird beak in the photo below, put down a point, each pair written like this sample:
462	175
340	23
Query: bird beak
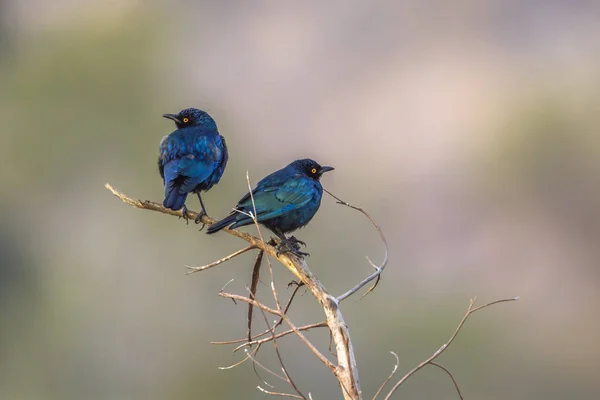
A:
326	169
173	117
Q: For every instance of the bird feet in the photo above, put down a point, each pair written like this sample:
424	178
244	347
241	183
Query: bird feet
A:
291	245
185	214
295	242
198	219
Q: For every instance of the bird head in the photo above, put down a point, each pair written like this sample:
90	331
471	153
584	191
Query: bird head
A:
191	117
311	168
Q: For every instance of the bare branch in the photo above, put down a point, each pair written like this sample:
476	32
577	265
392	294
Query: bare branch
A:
451	377
255	361
389	377
470	311
279	394
283	368
256	242
277	336
242	361
285	310
275	297
254	364
218	262
315	351
492	303
253	288
378	268
346	371
248	300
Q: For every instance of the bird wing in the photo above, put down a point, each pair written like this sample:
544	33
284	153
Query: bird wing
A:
275	201
194	167
191	169
269	184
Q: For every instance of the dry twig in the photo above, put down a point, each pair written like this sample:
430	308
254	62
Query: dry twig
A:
218	262
435	355
378	268
279	335
450	375
253	288
345	370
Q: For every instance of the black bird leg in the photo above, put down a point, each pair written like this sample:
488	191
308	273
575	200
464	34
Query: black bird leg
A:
289	245
201	213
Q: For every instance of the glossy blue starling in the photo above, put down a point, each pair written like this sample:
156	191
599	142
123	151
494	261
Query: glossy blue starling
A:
285	201
191	159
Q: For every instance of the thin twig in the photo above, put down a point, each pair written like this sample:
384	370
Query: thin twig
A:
256	242
346	371
285	310
450	375
470	311
255	361
242	361
248	300
389	377
253	288
275	297
378	268
218	262
279	394
279	335
256	371
312	348
276	347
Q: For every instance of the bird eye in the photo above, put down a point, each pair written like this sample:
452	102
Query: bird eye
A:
314	170
186	120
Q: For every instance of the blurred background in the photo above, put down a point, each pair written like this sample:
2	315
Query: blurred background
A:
469	129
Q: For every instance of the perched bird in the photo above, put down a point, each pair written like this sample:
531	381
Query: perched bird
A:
191	159
285	201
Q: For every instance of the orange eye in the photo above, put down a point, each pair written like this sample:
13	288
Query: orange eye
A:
186	120
314	170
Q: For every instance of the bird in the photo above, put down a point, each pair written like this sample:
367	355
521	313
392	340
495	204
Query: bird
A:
191	159
285	200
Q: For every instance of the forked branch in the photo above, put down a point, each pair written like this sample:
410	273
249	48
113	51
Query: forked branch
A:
430	361
378	268
345	370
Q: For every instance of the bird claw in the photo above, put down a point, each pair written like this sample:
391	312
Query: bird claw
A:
184	215
295	242
290	247
300	254
198	219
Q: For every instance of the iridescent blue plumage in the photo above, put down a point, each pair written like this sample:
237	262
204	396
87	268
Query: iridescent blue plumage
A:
192	158
285	200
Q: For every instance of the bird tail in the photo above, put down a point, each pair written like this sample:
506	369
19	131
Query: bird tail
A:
173	198
217	226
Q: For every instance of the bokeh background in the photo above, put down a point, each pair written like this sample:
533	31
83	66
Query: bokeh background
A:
469	129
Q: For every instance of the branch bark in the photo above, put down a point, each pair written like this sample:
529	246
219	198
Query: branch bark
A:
346	370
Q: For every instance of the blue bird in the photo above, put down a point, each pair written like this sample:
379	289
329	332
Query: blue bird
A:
191	159
285	201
